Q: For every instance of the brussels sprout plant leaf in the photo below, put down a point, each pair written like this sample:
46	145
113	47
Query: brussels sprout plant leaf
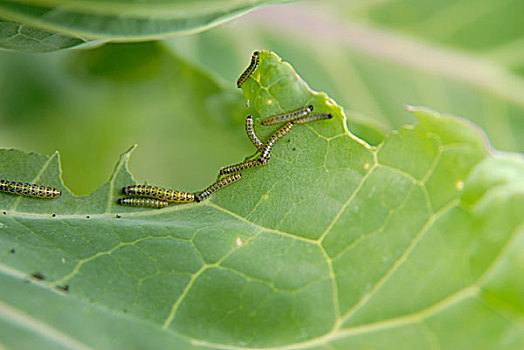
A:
19	37
122	20
416	243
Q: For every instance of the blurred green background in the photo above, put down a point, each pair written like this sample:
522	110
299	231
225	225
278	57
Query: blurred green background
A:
178	101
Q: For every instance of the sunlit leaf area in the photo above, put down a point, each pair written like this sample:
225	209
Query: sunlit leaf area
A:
388	215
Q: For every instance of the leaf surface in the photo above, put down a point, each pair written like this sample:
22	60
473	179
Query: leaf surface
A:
415	243
115	20
19	37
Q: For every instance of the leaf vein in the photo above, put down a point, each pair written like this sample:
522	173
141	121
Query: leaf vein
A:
45	330
432	219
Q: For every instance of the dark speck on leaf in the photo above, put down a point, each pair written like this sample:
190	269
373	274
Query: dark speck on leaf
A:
12	250
87	216
38	276
117	216
53	215
64	288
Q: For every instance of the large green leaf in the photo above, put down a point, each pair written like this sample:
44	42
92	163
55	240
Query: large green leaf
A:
16	36
122	20
415	243
374	68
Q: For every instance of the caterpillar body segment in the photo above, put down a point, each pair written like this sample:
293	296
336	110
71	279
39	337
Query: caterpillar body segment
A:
312	118
277	135
163	194
143	202
30	190
249	70
288	117
235	168
228	180
250	130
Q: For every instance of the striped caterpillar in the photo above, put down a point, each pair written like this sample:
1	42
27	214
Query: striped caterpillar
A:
30	190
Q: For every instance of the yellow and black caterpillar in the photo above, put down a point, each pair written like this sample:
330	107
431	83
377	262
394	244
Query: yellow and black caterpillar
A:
143	202
312	118
277	135
163	194
235	168
228	180
249	70
288	117
30	190
253	137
